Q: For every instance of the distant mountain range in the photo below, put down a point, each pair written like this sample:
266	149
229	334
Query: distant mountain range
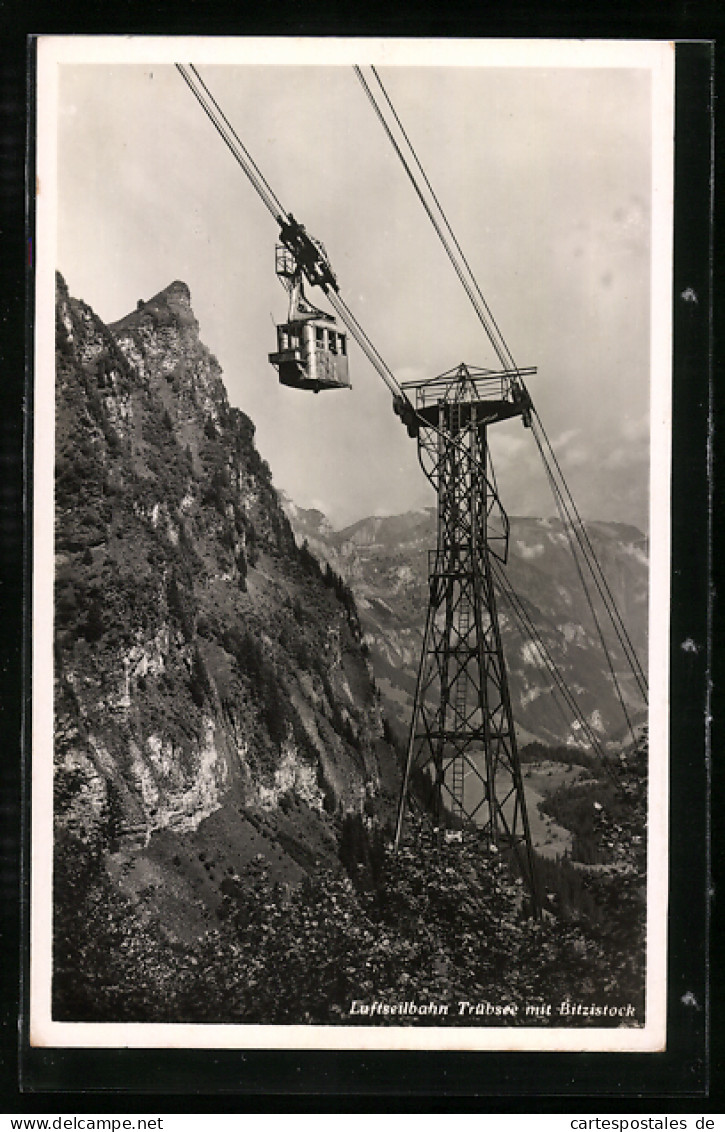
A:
385	561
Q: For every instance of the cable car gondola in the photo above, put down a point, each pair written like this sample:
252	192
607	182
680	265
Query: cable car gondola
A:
311	351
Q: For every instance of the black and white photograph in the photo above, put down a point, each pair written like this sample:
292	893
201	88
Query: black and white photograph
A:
351	543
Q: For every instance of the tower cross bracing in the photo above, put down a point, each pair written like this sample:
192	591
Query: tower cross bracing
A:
462	757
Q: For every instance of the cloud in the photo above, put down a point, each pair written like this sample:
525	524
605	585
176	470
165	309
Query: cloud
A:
630	225
411	373
565	438
505	446
575	457
636	428
529	552
571	455
617	458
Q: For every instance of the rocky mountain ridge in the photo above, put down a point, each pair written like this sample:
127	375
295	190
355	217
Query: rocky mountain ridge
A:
213	701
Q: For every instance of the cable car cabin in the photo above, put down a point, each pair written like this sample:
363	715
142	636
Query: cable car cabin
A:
311	351
311	354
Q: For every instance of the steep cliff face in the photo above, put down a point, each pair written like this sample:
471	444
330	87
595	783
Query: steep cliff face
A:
385	562
213	703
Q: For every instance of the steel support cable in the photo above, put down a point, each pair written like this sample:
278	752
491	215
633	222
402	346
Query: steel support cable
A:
507	360
547	622
229	142
609	606
597	753
474	282
530	631
376	360
593	562
591	557
560	692
248	163
567	528
239	151
234	143
499	343
365	343
470	290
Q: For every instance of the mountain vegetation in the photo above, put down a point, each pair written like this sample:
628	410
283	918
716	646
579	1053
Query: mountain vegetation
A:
437	923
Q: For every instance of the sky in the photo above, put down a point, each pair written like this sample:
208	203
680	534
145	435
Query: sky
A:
545	174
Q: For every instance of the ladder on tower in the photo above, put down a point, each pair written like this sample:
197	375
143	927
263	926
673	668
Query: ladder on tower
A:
460	705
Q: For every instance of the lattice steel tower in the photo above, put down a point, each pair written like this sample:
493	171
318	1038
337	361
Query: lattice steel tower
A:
462	750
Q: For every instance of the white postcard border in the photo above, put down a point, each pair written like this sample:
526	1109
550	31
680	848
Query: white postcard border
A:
54	52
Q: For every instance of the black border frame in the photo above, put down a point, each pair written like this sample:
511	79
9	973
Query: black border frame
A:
90	1079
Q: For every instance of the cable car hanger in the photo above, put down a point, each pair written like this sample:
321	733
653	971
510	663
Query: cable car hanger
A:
311	352
309	253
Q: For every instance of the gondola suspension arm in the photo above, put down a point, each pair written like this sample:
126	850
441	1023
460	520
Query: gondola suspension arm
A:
308	252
